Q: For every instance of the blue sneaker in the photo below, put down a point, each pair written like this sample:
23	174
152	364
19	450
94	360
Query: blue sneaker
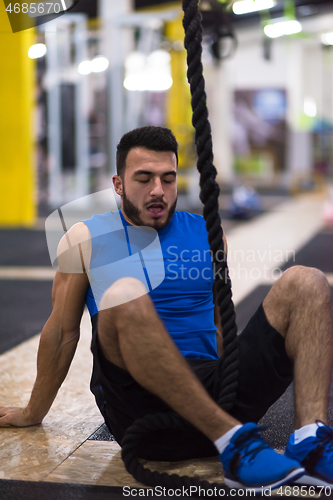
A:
315	454
249	462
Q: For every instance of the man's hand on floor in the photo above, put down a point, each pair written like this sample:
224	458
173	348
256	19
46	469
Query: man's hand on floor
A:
12	416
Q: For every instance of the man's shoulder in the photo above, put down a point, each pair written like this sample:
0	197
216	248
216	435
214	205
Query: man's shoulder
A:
182	214
73	253
104	223
190	219
78	233
104	217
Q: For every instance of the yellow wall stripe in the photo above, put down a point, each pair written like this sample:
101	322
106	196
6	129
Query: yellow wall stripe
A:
17	152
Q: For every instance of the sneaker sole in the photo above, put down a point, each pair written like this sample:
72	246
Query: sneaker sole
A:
292	476
312	481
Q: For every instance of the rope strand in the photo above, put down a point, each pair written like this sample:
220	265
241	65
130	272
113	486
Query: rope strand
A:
209	194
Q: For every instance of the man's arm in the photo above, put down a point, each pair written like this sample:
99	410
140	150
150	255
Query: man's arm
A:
217	317
217	322
60	334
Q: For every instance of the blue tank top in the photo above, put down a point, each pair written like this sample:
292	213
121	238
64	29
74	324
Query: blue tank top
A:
181	291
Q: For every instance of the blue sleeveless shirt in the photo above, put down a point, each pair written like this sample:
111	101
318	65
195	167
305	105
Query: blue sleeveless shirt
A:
182	292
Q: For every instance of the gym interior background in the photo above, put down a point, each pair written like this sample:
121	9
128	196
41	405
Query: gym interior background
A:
69	89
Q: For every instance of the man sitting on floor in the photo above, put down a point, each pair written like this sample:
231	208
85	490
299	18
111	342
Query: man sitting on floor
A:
157	351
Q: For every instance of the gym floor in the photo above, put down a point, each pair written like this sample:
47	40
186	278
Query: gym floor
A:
71	455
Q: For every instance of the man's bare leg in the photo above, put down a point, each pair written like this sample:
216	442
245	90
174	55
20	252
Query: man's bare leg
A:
298	307
133	337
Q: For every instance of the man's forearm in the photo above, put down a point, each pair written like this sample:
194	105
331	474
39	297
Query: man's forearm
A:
56	350
219	340
55	353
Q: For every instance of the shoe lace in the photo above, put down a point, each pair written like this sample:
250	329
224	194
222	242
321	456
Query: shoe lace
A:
325	435
250	443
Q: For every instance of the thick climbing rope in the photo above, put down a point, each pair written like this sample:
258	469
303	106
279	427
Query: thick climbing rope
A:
209	194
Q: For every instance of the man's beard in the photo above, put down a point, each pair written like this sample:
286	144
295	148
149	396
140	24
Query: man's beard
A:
133	213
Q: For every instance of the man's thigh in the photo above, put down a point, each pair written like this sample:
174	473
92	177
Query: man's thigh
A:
122	401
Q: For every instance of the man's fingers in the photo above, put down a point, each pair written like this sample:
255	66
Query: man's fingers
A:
4	410
4	421
12	416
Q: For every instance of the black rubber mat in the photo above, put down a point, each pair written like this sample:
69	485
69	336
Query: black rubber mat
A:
27	490
102	434
23	247
248	306
280	419
318	252
24	308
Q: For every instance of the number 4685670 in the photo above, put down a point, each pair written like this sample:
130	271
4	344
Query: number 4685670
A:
33	8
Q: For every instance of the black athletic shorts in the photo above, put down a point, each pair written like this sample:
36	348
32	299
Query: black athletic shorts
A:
265	372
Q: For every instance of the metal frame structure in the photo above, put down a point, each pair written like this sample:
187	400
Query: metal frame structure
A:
118	108
60	69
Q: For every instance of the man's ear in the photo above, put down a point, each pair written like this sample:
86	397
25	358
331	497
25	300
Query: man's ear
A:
118	184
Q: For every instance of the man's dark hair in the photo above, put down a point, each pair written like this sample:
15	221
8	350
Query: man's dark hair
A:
153	138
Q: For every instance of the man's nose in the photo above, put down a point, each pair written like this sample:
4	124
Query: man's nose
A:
157	189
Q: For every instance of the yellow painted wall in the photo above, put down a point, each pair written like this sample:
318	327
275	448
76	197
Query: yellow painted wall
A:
17	152
179	112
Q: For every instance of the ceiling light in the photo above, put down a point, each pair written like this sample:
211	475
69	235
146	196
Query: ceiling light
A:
148	81
327	39
152	72
36	51
135	61
99	64
246	6
159	59
85	68
282	28
310	107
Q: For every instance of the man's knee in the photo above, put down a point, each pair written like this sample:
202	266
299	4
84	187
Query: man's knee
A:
123	291
298	289
302	283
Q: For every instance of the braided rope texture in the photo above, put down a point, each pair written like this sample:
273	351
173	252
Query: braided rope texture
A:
209	194
135	434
